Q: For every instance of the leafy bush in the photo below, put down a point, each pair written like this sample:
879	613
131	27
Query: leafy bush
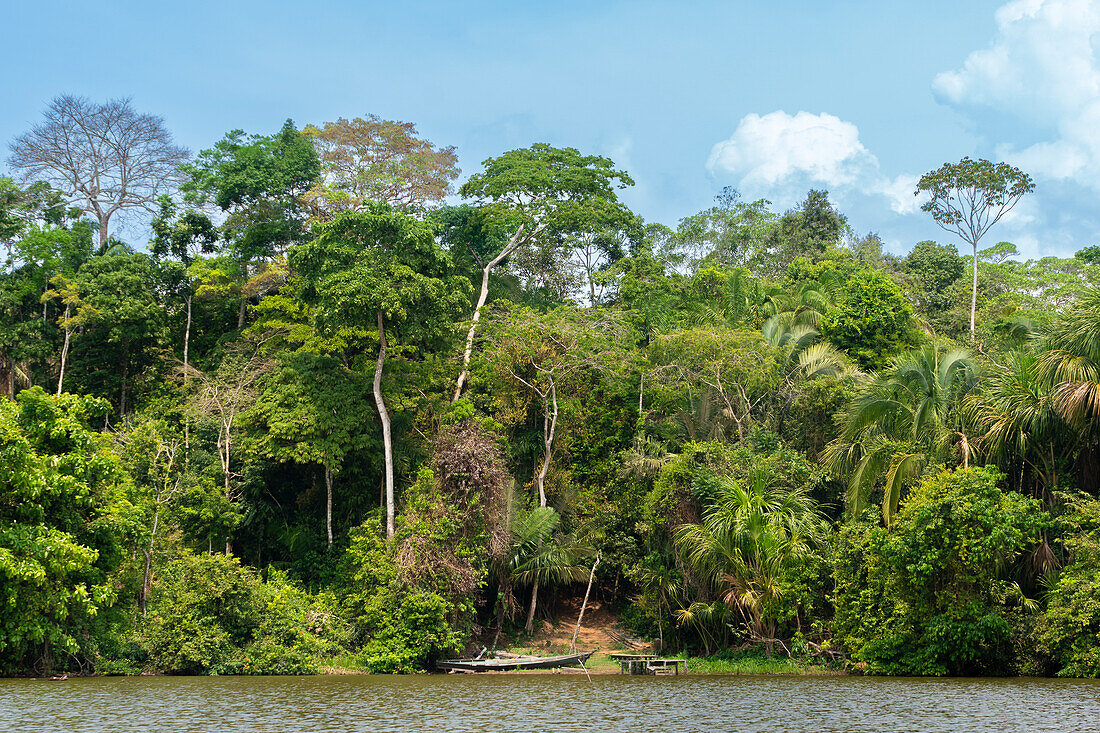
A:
1072	628
397	627
211	615
63	517
871	320
928	596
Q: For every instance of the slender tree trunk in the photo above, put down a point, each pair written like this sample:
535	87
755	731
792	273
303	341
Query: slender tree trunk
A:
328	502
531	609
974	291
64	352
240	312
125	376
384	416
187	339
513	243
186	377
584	603
549	425
149	560
226	427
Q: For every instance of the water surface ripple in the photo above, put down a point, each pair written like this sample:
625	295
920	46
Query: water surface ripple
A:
563	702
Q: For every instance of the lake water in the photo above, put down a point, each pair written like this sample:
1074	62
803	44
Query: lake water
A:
563	702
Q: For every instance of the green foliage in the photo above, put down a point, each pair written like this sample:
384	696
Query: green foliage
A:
930	595
752	537
724	384
714	380
1072	629
540	180
257	180
397	628
967	198
382	261
935	268
871	320
64	514
900	424
211	615
970	196
731	233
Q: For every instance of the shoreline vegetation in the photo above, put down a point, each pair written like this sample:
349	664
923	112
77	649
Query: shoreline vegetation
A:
337	413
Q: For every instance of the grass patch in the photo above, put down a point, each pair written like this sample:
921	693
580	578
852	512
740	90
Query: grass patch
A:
754	662
346	663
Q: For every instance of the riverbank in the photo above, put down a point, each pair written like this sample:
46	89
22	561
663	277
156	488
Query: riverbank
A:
749	662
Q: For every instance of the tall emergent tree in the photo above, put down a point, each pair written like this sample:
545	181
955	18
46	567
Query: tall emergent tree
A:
258	181
377	160
106	157
376	271
967	198
535	189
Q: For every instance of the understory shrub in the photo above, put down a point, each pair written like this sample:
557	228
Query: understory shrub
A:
930	595
211	615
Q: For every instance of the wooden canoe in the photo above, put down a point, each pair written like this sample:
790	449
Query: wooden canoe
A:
504	665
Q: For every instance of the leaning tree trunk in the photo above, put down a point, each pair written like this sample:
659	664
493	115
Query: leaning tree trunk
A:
387	436
584	603
549	425
513	243
64	352
531	609
328	502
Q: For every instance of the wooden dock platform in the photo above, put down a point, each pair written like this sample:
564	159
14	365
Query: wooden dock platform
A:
648	664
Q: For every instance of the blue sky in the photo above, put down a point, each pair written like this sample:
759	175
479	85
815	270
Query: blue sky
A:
771	97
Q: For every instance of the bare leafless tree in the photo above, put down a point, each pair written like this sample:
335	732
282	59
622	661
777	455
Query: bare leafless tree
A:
225	393
106	157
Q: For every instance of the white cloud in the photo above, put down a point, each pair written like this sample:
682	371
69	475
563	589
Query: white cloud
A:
1041	69
770	149
899	192
778	153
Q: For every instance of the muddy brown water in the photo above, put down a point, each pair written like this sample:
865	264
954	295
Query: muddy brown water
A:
548	703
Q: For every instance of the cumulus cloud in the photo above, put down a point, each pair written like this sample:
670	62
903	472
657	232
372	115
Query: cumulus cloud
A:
1040	69
779	152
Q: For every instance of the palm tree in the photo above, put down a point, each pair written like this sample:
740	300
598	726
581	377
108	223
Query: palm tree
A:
539	555
807	306
1023	431
749	536
899	424
1072	363
794	327
661	585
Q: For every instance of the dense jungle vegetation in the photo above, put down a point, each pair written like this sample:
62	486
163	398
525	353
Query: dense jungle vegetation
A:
335	408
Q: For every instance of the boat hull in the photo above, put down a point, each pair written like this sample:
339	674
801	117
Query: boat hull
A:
505	665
